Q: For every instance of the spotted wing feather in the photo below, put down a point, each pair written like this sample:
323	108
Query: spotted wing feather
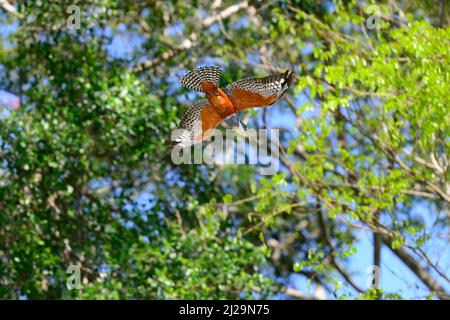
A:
190	125
193	79
195	124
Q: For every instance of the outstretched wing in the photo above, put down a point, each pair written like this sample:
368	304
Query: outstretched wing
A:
195	124
259	92
193	79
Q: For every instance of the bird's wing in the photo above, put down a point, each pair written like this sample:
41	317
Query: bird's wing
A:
259	92
196	124
193	79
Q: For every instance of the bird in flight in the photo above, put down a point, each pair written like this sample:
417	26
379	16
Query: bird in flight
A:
224	104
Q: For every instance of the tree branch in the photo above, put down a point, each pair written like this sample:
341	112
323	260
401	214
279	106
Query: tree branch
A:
296	294
333	260
418	269
190	41
10	9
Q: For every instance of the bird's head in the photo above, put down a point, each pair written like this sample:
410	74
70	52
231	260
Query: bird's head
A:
213	93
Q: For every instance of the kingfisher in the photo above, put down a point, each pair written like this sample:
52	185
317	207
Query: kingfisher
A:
224	104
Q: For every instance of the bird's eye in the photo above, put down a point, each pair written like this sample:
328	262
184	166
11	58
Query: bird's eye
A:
216	93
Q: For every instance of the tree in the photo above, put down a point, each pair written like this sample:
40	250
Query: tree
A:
87	180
